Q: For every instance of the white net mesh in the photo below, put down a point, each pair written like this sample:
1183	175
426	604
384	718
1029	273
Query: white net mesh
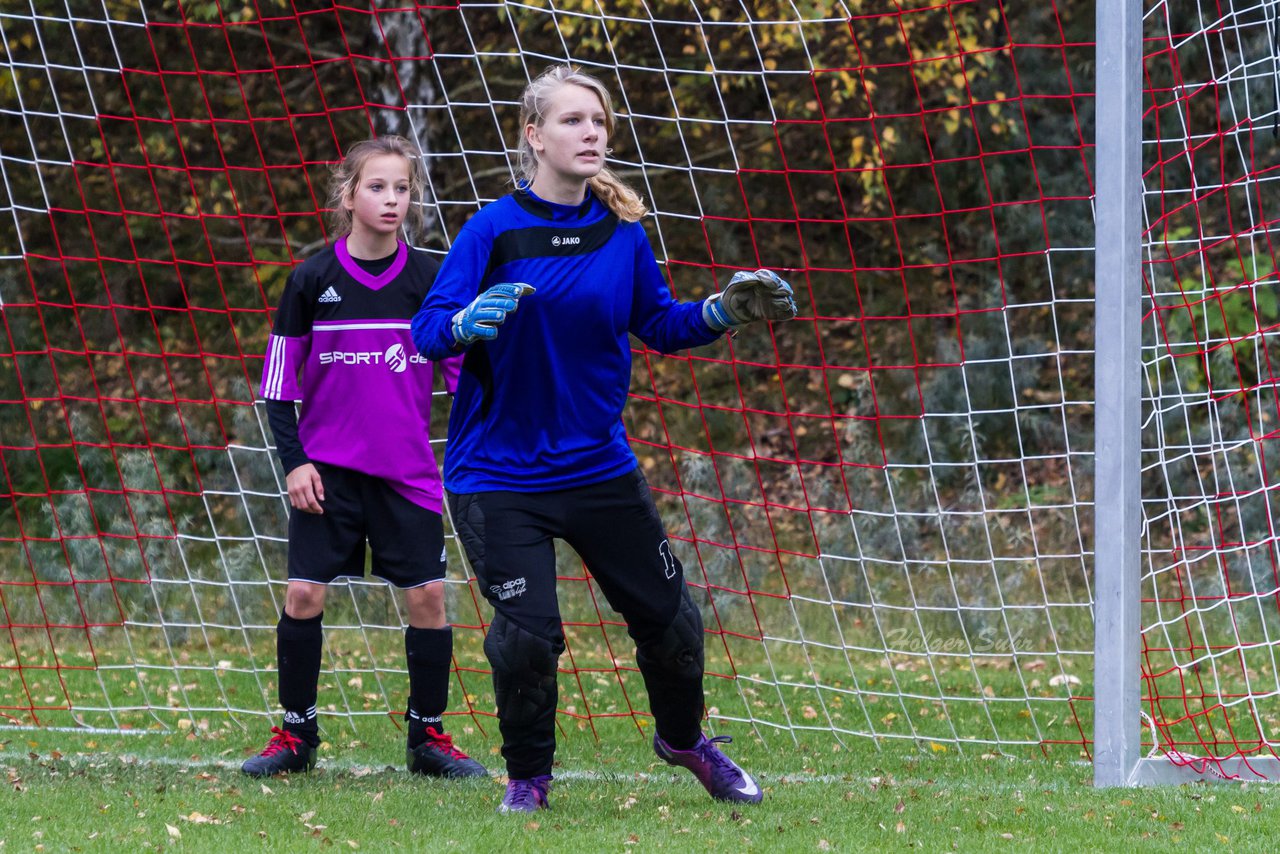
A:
883	507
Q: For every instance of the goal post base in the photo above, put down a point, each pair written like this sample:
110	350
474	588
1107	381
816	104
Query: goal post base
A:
1166	770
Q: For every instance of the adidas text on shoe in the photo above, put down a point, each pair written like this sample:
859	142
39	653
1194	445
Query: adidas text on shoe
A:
437	757
719	775
285	753
526	795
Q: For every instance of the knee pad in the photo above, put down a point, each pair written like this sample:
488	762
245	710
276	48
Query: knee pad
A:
678	649
524	669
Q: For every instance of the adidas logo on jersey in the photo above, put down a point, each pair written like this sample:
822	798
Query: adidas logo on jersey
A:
330	295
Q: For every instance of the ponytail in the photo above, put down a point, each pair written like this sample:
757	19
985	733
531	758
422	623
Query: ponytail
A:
618	196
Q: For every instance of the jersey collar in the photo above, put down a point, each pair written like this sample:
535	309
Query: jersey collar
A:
363	276
543	209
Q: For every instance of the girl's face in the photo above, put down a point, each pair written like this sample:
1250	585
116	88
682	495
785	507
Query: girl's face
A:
570	142
379	201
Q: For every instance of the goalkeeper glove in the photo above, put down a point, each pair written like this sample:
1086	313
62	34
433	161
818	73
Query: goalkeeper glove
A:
747	298
480	320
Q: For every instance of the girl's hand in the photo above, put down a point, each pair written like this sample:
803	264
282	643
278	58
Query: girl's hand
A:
480	320
306	490
749	297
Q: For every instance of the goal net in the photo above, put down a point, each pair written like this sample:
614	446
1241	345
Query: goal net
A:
1211	310
883	507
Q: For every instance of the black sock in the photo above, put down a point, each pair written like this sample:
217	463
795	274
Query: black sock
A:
429	655
298	644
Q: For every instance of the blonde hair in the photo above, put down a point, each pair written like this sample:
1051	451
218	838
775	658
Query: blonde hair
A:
345	178
535	102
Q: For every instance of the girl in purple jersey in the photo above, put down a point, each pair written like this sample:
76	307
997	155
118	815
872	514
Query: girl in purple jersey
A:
537	450
357	468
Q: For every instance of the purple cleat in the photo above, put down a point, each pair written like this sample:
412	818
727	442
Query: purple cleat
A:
719	774
526	795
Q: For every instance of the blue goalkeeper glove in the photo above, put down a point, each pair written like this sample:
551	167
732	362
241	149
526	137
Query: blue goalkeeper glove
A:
480	320
749	297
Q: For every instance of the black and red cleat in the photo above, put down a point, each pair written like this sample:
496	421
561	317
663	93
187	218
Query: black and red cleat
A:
285	753
437	757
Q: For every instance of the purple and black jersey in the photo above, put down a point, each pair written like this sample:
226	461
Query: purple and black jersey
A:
341	345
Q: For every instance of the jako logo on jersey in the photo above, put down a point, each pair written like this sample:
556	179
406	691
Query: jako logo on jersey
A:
509	589
565	241
330	295
394	358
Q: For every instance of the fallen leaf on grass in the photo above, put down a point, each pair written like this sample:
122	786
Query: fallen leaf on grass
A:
173	831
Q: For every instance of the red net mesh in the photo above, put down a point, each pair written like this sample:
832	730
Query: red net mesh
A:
882	506
1209	608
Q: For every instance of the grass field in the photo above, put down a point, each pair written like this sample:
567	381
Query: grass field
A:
97	792
932	779
192	676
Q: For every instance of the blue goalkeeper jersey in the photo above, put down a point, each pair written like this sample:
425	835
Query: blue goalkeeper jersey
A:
539	407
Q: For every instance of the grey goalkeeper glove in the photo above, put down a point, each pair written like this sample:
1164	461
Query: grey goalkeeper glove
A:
749	297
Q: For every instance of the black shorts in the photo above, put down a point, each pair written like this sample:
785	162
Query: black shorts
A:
407	539
613	526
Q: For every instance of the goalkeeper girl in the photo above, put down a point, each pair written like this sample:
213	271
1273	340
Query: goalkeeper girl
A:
537	448
358	466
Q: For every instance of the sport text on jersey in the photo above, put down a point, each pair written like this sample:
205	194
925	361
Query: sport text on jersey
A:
393	357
